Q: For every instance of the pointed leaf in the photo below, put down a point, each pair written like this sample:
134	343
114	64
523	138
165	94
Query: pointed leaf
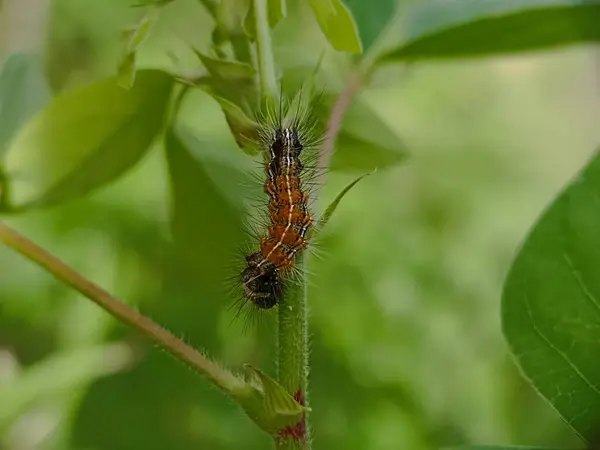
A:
86	138
468	28
23	91
551	303
338	25
135	37
371	18
232	72
232	80
268	403
334	204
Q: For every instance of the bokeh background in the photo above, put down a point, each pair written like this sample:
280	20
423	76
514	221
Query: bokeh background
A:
407	350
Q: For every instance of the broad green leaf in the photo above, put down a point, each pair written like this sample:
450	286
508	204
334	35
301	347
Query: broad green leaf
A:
333	206
86	138
23	91
366	142
468	28
223	164
201	213
551	303
135	37
371	18
268	403
337	24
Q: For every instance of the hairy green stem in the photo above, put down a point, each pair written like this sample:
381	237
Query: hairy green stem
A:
264	50
293	349
219	376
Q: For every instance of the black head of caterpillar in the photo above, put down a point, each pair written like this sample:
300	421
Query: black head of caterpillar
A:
261	283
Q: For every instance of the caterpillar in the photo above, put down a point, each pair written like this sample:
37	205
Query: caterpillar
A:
289	140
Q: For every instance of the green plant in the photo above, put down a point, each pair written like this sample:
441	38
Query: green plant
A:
111	124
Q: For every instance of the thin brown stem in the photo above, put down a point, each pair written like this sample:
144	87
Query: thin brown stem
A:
218	375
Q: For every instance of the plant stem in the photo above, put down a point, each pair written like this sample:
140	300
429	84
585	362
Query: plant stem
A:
293	352
219	376
264	50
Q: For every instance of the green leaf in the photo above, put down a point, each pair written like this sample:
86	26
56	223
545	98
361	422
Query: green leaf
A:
223	164
206	225
355	154
135	37
276	10
86	138
244	129
366	142
232	80
468	28
551	303
334	204
23	91
337	24
371	18
268	403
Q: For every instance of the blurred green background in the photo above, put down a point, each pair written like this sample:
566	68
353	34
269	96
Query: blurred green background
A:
404	303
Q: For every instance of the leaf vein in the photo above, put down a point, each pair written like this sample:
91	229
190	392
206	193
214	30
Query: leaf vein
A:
550	344
582	285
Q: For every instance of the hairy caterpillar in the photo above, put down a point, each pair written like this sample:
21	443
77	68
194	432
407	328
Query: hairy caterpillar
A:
289	139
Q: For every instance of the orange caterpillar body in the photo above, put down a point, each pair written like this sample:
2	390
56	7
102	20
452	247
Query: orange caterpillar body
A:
290	221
